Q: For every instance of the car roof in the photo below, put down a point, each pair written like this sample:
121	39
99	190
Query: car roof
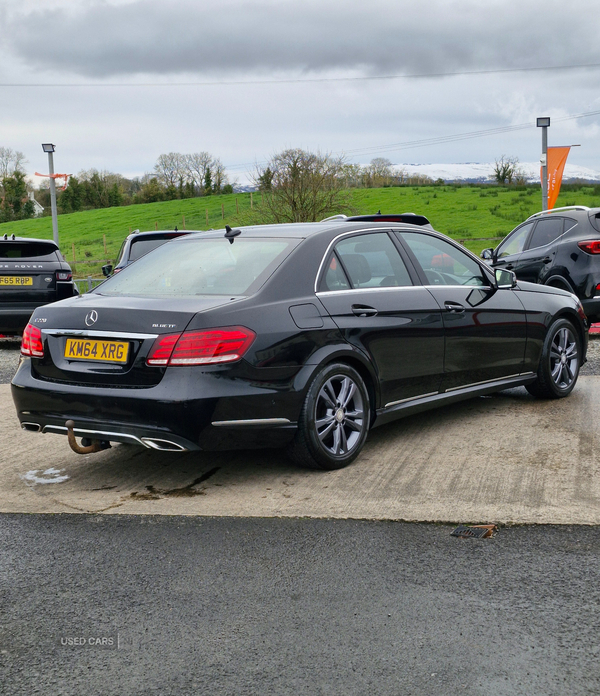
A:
303	230
26	240
576	211
154	233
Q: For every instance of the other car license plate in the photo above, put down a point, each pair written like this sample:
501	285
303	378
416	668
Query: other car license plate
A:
100	351
16	280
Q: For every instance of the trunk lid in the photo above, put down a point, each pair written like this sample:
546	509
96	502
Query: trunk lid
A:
103	341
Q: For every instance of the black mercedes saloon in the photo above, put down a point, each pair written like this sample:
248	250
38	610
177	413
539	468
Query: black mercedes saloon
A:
301	336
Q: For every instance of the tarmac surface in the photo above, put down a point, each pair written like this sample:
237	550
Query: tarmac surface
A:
181	606
508	458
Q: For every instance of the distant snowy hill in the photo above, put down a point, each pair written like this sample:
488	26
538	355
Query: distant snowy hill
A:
473	172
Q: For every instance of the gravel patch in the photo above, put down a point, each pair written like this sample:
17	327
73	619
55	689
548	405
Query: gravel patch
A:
9	358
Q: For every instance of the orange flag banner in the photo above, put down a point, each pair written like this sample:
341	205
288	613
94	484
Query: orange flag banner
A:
557	158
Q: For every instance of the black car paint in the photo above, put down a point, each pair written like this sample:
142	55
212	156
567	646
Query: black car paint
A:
298	331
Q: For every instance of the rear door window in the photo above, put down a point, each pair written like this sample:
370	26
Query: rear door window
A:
372	260
546	231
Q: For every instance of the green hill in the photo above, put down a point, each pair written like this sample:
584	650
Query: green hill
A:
475	215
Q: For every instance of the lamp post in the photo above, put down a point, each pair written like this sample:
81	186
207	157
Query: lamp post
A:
49	148
544	124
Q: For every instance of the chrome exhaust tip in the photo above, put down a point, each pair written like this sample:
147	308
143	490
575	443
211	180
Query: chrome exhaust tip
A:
163	445
31	427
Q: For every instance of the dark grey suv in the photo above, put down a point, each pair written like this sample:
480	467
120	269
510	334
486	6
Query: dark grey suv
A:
560	248
32	273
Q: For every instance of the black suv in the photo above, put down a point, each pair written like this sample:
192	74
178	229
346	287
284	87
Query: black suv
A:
560	248
32	273
137	244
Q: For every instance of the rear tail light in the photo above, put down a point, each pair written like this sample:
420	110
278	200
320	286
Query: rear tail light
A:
201	347
591	247
64	275
32	344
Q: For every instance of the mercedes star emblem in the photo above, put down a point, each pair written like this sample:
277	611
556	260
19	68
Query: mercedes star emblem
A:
91	317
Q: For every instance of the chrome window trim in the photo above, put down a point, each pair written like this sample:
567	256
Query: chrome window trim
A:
384	230
387	288
97	334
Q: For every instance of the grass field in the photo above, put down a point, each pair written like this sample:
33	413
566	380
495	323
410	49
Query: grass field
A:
474	215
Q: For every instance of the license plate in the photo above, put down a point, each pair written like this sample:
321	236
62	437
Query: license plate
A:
16	280
100	351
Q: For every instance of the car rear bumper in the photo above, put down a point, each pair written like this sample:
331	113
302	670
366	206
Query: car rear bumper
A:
231	414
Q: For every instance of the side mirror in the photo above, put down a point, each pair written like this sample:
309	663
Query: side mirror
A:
505	279
107	270
487	254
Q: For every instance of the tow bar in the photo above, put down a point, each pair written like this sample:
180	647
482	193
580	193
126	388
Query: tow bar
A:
94	446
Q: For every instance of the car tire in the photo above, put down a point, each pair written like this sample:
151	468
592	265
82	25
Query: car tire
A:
560	362
334	421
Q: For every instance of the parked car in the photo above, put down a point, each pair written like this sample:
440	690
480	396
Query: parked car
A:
138	244
298	335
32	273
559	248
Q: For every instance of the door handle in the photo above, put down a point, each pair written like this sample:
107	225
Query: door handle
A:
454	307
363	310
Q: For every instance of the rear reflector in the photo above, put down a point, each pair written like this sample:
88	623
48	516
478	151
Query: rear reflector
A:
201	347
591	247
31	344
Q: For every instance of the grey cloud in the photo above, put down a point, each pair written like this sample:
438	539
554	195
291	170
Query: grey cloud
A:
222	38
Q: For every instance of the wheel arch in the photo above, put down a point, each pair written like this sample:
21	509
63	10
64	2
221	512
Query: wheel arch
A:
355	359
573	318
559	281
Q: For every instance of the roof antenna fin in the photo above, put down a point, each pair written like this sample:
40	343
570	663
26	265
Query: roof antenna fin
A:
231	234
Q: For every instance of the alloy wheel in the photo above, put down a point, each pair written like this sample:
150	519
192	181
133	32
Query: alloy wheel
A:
564	358
340	418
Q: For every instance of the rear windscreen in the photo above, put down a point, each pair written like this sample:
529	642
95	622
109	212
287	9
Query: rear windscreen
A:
26	250
202	267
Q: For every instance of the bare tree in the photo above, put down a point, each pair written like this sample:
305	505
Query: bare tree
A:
305	186
171	168
507	170
196	165
11	161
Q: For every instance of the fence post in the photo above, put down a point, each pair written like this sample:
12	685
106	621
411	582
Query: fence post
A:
156	225
222	211
237	207
89	283
251	201
183	216
207	217
73	246
104	241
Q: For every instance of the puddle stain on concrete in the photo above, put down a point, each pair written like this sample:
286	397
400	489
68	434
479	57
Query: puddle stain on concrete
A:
39	476
184	492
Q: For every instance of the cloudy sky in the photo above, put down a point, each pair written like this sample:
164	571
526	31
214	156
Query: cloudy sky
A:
115	83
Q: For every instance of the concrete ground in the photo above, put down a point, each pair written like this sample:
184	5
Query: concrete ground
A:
508	458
